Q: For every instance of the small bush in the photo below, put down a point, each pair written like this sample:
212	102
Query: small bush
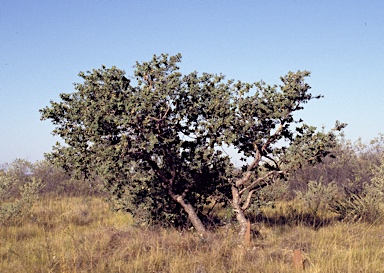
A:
11	211
318	196
363	204
355	206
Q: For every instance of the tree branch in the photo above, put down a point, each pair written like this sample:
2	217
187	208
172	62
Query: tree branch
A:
250	169
257	181
248	201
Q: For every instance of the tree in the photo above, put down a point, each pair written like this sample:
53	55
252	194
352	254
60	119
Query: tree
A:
273	143
147	142
156	144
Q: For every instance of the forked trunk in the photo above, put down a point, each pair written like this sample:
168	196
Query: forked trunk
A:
192	216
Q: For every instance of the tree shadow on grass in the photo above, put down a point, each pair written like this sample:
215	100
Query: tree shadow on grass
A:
294	218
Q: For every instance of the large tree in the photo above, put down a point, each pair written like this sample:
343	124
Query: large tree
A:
148	142
156	142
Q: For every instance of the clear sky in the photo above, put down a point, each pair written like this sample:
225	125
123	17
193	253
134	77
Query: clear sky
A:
45	44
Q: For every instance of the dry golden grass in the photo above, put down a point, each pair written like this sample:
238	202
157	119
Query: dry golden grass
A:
83	235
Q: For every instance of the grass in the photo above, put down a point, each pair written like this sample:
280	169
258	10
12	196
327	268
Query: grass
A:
84	235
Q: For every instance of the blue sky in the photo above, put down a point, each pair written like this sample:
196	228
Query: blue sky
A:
45	44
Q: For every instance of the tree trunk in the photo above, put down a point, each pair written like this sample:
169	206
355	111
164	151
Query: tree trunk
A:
241	219
192	216
243	224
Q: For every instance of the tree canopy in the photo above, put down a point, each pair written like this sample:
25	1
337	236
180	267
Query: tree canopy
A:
154	138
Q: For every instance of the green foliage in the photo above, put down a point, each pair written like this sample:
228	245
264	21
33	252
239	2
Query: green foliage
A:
13	210
155	144
318	196
6	183
263	127
148	202
363	204
118	132
378	179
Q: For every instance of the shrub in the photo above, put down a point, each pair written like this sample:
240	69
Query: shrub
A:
11	211
355	206
363	204
318	196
